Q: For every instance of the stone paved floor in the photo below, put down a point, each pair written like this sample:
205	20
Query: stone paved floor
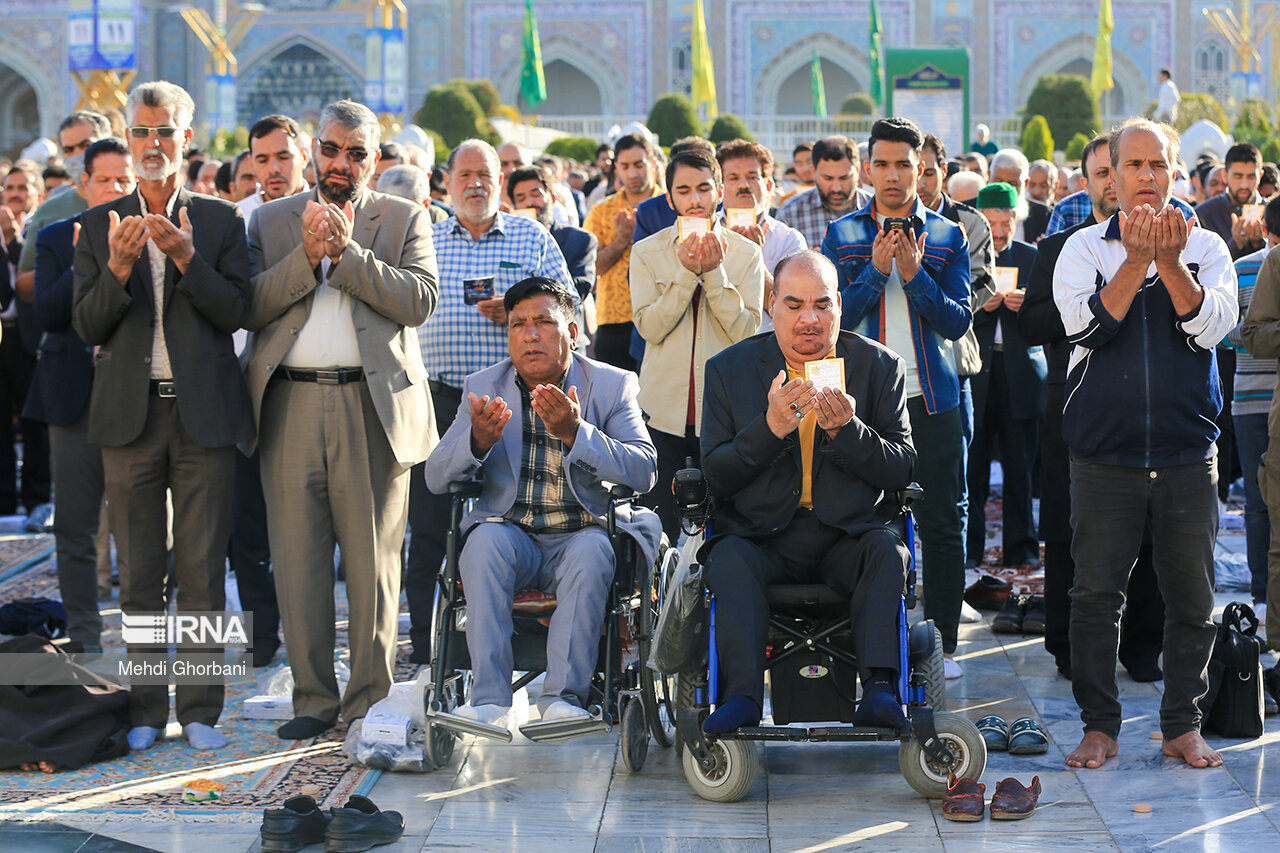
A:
578	798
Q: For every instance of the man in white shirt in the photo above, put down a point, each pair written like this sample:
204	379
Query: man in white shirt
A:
279	156
1167	97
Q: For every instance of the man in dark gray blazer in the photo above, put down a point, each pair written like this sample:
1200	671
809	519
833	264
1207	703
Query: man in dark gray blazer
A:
805	476
341	278
161	282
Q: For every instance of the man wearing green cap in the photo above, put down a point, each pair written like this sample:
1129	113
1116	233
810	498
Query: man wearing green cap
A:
1009	393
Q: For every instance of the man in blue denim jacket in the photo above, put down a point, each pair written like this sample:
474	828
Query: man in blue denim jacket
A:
904	280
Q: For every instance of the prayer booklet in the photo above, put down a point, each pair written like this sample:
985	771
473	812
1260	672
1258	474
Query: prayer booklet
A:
1006	279
740	217
827	373
690	225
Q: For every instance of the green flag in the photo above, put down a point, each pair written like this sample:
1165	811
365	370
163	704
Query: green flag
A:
875	57
1100	79
533	84
819	88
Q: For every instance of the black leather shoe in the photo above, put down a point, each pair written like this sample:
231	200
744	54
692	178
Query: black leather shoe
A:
359	825
264	651
293	827
1033	615
1009	619
300	728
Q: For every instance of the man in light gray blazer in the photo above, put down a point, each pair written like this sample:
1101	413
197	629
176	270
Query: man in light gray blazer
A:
549	428
341	277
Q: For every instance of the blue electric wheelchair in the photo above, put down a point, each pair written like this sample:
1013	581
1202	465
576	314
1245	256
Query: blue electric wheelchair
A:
811	672
624	692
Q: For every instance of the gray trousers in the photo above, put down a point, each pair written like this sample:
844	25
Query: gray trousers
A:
329	476
1110	507
77	501
500	558
164	458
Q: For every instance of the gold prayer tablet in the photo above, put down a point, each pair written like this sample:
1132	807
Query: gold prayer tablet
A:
827	373
1252	212
690	225
1006	279
740	217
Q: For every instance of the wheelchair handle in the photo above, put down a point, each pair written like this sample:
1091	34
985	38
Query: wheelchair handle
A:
909	495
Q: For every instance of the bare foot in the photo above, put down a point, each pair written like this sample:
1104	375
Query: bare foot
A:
43	766
1192	749
1094	750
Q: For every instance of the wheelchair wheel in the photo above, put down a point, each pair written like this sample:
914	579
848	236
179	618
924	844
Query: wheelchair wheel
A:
635	735
935	676
684	699
961	738
737	762
658	691
439	745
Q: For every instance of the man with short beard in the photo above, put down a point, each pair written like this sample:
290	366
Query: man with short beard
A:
279	160
482	252
342	276
529	189
161	282
835	192
1224	213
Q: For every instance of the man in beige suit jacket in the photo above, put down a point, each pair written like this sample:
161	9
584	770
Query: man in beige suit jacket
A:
341	278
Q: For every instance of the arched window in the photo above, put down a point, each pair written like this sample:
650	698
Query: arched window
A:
1212	69
682	68
570	91
298	81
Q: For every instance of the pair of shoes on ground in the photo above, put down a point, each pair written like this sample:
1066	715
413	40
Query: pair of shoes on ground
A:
1022	737
199	736
988	593
354	827
1021	614
1012	800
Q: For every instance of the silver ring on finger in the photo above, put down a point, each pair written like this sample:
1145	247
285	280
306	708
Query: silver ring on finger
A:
312	233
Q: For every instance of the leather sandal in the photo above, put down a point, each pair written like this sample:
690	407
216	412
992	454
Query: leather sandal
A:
1012	801
963	800
995	731
1027	737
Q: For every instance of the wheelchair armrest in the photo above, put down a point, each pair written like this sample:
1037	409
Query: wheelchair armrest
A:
692	495
466	488
620	492
909	495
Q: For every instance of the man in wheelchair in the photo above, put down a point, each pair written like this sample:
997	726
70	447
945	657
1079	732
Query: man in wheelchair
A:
548	428
804	472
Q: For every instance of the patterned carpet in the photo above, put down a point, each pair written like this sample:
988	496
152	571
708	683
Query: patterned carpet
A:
259	769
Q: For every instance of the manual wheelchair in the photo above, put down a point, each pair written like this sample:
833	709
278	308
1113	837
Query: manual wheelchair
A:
811	669
624	692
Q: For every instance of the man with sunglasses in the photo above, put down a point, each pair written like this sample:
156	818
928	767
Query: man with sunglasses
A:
341	278
161	282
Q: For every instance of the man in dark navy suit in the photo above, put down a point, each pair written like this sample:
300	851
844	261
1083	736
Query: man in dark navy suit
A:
1009	393
60	390
530	188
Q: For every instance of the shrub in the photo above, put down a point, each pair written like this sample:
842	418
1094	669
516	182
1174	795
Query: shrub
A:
574	147
672	117
483	91
453	112
1075	148
1067	104
858	104
1252	124
1271	150
442	150
1195	107
1037	142
728	126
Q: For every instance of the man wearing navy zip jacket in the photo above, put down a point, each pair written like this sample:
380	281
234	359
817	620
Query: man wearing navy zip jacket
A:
1144	298
908	288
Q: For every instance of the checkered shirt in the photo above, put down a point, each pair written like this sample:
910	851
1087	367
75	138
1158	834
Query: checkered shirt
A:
805	213
457	339
544	502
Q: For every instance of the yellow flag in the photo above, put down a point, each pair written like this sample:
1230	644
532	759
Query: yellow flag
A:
1101	78
704	72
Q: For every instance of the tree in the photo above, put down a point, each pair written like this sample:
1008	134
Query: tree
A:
1067	104
574	147
485	93
728	126
1037	142
672	117
1252	124
453	112
1075	148
858	104
1271	150
1193	107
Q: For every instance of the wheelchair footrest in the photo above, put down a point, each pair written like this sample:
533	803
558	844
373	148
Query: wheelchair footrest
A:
557	731
468	726
817	734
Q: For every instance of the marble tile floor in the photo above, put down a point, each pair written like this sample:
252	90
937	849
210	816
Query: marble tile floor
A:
809	798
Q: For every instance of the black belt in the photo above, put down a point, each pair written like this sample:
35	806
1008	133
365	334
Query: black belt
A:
163	388
442	387
334	376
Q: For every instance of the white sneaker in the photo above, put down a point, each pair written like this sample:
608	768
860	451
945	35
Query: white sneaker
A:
562	710
968	613
493	715
951	668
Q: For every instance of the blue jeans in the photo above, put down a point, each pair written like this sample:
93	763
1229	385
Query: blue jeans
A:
1251	443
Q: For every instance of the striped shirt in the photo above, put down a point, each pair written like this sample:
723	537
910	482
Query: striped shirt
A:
457	339
544	503
1255	382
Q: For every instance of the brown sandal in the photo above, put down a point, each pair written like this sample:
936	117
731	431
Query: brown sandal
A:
1014	802
963	800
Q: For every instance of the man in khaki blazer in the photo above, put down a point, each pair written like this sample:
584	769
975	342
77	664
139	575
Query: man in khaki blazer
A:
341	278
